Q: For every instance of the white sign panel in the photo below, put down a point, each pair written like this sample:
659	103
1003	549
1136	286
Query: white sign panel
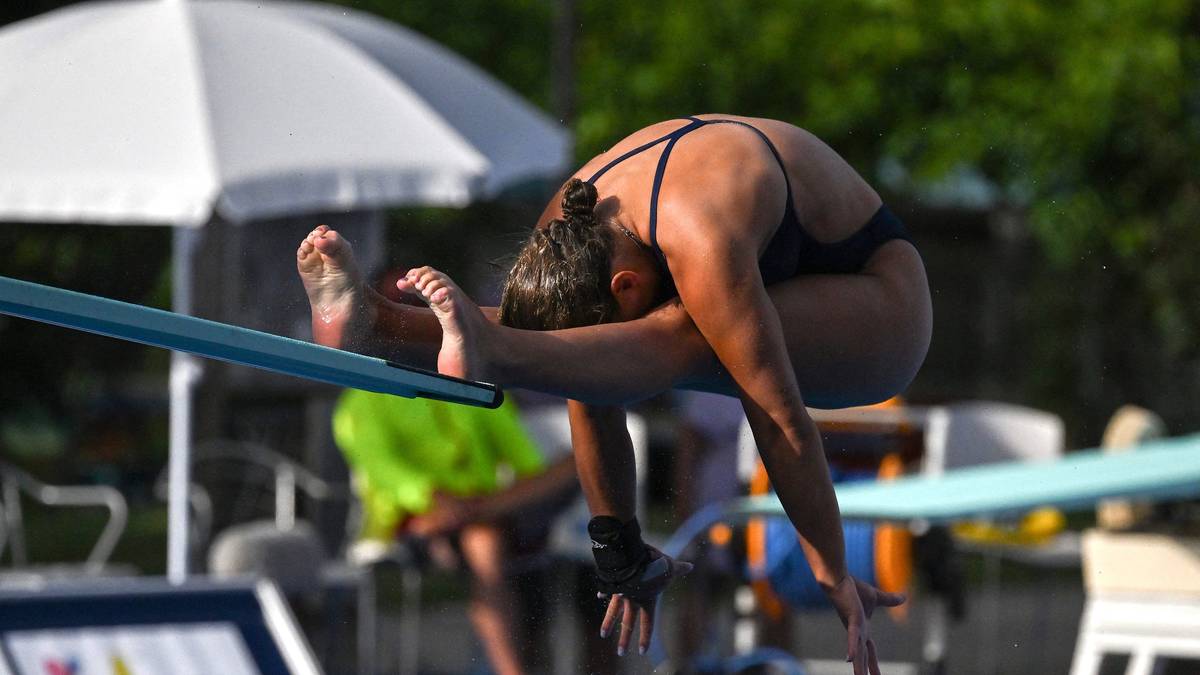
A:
176	649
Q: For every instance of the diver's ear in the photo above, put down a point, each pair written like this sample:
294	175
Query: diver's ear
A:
623	282
629	289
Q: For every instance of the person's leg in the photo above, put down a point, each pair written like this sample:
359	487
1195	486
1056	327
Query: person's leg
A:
348	314
492	600
858	339
853	339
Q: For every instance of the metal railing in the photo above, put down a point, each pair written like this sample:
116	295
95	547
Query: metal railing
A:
14	483
289	479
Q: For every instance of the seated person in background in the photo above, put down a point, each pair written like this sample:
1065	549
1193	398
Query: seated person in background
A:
436	471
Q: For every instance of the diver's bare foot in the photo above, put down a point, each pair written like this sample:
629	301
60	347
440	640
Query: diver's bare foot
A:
463	353
334	285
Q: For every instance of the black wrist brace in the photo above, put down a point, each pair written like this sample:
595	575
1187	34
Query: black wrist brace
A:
618	548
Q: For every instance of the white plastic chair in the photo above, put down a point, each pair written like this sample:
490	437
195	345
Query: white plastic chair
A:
975	433
1143	599
282	547
987	432
16	484
1143	590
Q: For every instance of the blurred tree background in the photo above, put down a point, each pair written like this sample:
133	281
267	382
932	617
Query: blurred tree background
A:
67	392
1068	132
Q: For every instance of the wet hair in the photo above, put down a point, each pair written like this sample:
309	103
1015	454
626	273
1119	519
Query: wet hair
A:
561	275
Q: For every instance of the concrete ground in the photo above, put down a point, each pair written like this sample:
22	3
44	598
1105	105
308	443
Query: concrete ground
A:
1027	626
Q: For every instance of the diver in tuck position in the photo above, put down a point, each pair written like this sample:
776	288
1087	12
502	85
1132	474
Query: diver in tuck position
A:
715	252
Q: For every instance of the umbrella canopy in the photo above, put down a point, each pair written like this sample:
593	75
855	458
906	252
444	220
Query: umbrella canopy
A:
142	111
171	112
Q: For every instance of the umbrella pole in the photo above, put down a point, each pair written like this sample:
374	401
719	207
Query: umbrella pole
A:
185	371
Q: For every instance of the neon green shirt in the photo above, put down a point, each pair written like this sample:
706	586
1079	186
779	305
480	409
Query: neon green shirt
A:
402	450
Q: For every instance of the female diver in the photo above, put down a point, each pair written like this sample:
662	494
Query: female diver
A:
716	252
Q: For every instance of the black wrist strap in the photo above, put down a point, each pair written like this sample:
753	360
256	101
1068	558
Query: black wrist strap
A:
618	549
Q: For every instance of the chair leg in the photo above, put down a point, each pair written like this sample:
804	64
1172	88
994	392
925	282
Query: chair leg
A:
366	622
933	650
1087	659
410	621
1141	662
989	660
1087	652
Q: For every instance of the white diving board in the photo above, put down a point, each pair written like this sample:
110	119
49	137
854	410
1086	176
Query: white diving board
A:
234	344
1159	470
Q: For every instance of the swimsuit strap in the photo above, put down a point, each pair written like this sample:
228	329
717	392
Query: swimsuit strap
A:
644	147
662	167
671	139
658	177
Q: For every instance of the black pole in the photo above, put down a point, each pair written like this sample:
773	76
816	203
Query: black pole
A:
563	60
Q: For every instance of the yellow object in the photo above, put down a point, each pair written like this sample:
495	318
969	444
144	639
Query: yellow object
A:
1036	528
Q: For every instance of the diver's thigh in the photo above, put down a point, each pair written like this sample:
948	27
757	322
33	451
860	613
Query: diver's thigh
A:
857	338
853	339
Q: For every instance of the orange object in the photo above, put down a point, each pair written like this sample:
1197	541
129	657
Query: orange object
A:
893	544
720	535
893	547
756	551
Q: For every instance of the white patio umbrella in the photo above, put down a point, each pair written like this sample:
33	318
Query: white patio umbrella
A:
170	112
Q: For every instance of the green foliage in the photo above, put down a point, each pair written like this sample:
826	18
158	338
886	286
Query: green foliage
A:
60	384
508	38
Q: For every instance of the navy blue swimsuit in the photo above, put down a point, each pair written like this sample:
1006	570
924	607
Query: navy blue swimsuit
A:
792	251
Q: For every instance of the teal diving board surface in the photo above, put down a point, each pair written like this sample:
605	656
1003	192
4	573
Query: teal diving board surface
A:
234	344
1156	471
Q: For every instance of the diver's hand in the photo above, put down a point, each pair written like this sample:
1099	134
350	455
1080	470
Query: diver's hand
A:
855	602
634	601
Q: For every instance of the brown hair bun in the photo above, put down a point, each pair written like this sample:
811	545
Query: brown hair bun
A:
579	200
